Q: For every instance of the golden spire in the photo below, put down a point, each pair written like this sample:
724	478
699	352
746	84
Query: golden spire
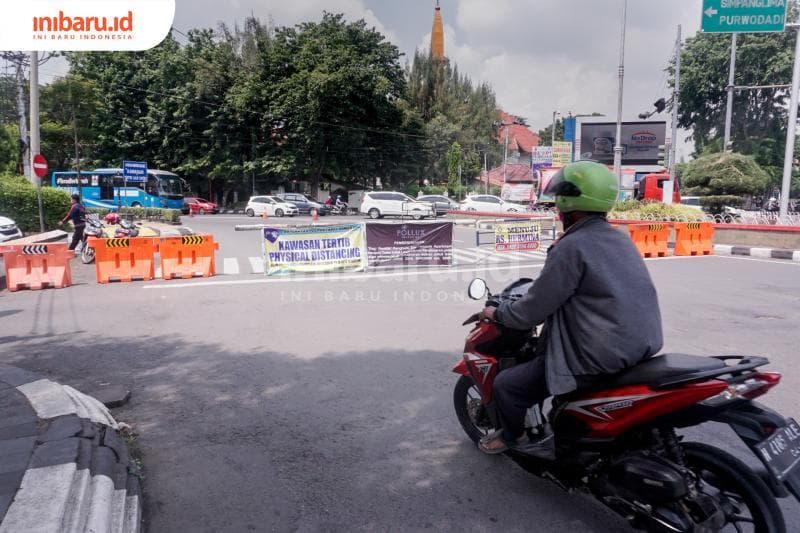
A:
437	34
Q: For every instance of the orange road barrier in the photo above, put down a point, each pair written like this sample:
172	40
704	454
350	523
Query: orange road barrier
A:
37	266
650	239
124	259
694	238
188	256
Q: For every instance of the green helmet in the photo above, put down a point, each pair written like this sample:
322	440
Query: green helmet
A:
583	186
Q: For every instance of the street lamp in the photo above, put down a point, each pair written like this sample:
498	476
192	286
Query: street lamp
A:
618	140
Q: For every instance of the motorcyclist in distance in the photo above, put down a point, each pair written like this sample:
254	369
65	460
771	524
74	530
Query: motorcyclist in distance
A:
594	296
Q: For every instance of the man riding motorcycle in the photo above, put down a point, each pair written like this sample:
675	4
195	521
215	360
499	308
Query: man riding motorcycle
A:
594	296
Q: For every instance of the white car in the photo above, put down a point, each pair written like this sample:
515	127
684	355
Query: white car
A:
9	230
381	204
692	201
490	204
271	205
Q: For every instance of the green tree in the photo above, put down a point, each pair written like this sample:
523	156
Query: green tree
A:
9	150
759	120
68	114
454	170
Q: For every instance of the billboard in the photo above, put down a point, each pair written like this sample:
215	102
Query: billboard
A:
562	153
640	141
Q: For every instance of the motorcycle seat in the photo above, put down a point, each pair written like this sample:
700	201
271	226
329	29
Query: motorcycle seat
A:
663	368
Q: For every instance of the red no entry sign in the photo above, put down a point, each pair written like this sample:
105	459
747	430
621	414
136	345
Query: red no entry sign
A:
39	165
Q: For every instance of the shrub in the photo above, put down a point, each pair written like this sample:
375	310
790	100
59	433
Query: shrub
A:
658	211
18	200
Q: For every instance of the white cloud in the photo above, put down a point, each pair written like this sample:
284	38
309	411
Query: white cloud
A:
196	13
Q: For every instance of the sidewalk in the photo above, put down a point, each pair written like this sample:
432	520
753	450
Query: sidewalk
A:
63	464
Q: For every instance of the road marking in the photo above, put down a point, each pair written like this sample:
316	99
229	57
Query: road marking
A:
256	265
323	277
747	258
230	265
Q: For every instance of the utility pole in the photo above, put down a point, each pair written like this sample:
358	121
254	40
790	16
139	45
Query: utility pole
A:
34	146
486	171
505	156
676	92
553	131
788	158
75	138
460	184
618	142
731	88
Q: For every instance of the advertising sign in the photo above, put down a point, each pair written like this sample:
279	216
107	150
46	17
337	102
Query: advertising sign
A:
562	153
426	244
517	192
640	141
545	175
515	236
542	156
134	171
338	248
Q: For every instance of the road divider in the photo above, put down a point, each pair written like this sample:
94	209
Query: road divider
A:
188	256
37	266
652	240
694	238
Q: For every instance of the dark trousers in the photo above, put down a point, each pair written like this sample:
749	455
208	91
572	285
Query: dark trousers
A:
76	237
516	390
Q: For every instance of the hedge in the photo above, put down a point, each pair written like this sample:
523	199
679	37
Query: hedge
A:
716	204
18	201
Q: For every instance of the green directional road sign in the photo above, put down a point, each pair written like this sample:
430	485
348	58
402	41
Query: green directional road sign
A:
743	16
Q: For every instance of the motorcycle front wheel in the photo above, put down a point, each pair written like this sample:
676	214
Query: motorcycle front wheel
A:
87	254
471	412
748	503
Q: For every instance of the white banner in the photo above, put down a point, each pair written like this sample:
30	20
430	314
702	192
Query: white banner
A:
72	25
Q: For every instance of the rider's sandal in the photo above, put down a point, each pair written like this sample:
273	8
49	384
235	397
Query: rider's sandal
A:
482	444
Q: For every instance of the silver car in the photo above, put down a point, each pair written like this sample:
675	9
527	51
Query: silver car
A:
9	230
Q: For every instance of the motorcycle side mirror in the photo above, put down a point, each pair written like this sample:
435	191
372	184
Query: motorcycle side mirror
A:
477	289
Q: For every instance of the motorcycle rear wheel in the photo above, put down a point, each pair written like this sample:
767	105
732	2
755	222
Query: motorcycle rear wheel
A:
744	490
470	411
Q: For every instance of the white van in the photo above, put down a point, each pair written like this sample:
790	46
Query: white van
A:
381	204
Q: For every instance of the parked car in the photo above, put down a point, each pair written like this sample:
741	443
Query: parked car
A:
490	204
304	204
273	206
9	230
692	201
381	204
198	206
442	203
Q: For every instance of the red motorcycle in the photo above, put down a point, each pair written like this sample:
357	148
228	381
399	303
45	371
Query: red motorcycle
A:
618	441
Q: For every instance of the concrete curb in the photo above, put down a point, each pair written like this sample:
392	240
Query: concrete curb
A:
63	464
764	253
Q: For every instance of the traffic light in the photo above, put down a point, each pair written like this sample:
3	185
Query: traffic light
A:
662	155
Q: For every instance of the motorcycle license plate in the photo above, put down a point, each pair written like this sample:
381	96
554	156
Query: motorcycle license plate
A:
781	451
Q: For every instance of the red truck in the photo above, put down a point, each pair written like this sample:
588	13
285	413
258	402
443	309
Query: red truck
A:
651	187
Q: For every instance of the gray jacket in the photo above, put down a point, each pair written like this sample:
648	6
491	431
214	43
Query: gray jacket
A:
597	302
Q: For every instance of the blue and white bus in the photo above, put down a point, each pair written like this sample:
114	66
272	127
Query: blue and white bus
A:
107	188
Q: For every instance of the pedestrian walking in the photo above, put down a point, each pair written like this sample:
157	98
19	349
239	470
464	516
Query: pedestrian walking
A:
77	214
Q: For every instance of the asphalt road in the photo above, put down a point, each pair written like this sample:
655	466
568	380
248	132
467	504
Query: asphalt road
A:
325	404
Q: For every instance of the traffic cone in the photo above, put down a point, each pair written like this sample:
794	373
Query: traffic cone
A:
191	212
264	215
315	216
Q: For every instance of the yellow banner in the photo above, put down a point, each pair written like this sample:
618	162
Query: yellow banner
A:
514	236
339	248
562	153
